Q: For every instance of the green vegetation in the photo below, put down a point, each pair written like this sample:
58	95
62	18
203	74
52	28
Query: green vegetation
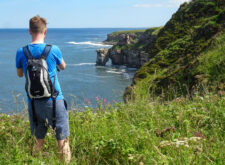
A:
137	38
181	131
187	52
175	110
153	31
132	32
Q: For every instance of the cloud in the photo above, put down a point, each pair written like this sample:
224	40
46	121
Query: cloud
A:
168	4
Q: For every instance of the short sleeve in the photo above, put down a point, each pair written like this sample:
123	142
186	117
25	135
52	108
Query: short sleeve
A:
19	59
57	55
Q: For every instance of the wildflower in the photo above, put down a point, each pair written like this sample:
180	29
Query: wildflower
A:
87	101
104	101
195	138
186	145
201	98
130	157
97	99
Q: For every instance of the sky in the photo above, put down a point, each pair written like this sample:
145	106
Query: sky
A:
88	13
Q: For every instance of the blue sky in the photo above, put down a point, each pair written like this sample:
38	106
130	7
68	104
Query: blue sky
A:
88	13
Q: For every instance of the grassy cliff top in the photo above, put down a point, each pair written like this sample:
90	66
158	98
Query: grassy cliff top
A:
153	31
127	32
136	36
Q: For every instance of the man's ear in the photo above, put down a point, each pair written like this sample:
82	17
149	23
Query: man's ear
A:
45	31
30	32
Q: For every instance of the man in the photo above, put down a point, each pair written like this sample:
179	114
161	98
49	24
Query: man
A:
42	109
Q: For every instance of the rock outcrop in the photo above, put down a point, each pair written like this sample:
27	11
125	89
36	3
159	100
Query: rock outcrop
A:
125	50
102	57
130	58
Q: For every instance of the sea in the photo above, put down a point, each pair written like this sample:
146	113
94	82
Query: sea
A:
83	84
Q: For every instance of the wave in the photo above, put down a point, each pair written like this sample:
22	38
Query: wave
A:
81	64
89	43
111	71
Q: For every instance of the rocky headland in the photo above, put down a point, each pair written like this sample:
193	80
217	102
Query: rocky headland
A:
127	47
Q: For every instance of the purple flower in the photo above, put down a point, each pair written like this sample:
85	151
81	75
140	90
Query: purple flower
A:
87	101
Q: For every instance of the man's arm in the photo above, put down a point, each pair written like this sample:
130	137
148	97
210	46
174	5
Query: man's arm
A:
62	66
20	72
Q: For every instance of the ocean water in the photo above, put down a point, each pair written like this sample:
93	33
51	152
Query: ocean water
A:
82	82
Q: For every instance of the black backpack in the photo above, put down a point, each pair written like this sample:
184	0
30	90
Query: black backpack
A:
38	82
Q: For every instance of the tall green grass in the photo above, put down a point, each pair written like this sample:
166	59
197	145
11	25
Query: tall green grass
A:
140	132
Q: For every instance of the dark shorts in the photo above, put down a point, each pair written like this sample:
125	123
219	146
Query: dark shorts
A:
43	110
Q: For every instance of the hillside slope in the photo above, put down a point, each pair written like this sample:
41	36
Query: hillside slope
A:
181	131
187	52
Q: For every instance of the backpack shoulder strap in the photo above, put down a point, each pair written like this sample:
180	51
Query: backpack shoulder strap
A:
46	51
27	52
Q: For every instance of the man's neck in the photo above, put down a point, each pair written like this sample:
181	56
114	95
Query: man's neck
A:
38	39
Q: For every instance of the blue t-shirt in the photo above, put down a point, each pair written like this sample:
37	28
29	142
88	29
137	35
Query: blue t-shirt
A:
54	58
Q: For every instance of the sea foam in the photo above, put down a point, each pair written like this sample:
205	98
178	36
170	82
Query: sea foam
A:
81	64
89	43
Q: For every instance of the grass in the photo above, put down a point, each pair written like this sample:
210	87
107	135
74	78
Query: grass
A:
128	32
137	44
205	68
182	131
150	31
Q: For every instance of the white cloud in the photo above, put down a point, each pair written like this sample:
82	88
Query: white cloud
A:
168	4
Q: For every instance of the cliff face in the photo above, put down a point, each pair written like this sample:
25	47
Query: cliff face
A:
127	49
179	53
131	58
102	57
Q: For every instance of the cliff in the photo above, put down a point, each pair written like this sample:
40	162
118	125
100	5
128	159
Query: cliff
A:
186	55
127	49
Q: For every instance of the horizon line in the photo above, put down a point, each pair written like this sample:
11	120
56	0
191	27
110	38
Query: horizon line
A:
85	27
